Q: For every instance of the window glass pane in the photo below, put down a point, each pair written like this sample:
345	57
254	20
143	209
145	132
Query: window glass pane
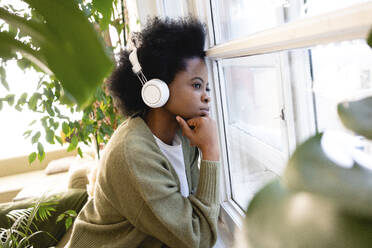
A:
238	18
235	19
255	138
253	87
341	71
247	172
174	9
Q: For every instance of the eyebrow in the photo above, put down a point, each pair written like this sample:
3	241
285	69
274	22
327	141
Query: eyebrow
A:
198	78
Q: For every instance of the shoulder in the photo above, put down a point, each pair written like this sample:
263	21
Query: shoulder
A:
131	140
131	152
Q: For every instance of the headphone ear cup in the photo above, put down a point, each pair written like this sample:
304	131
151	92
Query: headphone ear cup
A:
155	93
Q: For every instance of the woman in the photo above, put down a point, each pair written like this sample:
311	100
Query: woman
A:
149	190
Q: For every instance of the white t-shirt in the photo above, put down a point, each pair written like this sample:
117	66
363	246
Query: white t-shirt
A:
174	154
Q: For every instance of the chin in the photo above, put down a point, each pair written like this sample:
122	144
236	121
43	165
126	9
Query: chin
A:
190	116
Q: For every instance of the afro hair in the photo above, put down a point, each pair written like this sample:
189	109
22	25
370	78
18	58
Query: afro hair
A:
163	47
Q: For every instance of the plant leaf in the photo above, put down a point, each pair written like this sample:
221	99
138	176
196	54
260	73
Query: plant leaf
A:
40	148
73	144
41	156
49	110
369	39
44	122
65	128
310	169
35	138
9	46
3	78
73	50
302	219
71	213
60	217
57	111
10	99
79	152
58	139
27	238
105	8
32	102
32	157
357	116
50	136
21	101
68	222
34	29
27	133
32	123
41	153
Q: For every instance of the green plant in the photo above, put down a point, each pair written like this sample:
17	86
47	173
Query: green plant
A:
96	125
68	216
99	117
319	201
71	50
23	227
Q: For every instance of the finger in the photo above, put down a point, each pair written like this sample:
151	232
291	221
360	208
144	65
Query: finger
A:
184	126
197	122
193	122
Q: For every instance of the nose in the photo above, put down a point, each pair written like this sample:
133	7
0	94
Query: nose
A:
205	97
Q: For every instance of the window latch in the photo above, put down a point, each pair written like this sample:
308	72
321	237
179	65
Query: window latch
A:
282	116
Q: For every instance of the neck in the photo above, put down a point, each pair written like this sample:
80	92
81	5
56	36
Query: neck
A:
162	124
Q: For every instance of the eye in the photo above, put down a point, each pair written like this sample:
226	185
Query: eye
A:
197	85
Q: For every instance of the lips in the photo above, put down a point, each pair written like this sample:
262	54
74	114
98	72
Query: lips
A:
204	111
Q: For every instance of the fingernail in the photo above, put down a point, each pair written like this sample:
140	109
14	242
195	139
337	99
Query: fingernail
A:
178	118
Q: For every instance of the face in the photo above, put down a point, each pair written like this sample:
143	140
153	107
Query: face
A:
189	91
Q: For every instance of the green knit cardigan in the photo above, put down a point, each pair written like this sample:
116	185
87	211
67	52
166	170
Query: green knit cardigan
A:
138	202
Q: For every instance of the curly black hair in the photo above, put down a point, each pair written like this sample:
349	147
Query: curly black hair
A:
163	47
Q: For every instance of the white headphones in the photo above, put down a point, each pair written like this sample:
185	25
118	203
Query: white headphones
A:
155	92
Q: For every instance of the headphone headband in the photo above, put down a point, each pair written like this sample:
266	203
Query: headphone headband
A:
136	66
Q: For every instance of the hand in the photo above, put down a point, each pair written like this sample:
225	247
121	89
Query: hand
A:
202	132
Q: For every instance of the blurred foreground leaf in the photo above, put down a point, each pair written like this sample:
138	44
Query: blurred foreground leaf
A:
281	218
309	169
357	116
64	43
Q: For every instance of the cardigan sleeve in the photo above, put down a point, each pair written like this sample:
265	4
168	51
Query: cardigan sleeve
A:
149	198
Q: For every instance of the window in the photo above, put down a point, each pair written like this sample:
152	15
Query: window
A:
278	68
